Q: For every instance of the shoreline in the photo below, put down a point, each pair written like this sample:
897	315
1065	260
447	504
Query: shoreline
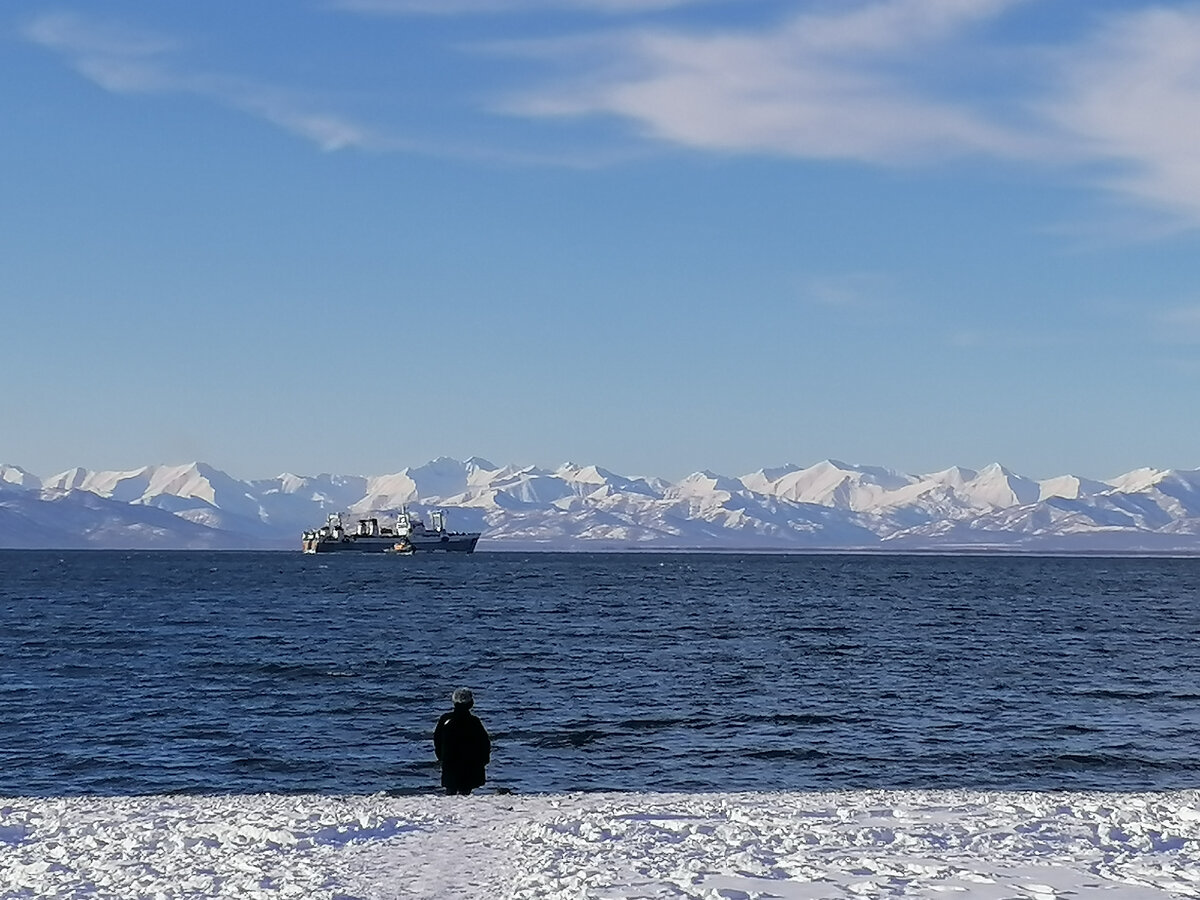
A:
981	844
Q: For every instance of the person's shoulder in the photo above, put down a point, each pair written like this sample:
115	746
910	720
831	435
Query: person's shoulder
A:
446	717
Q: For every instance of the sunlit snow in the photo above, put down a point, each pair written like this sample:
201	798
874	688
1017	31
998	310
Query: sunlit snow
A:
827	506
617	846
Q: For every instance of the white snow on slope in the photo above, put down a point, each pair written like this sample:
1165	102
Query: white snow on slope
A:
831	483
872	489
997	487
79	519
176	488
988	846
593	481
829	505
441	479
16	477
1070	487
1137	480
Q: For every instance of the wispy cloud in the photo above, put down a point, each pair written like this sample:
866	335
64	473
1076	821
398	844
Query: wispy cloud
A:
1179	325
87	38
495	7
881	82
861	293
117	58
128	61
124	60
1129	98
834	84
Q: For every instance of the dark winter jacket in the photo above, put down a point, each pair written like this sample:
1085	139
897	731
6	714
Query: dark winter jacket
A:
462	744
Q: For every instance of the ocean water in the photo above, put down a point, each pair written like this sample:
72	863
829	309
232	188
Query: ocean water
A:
151	673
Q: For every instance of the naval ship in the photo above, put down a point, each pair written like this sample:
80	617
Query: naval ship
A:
408	534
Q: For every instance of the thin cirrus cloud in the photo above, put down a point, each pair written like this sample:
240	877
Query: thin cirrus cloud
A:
861	292
132	61
1119	107
881	82
1180	325
835	84
1128	99
129	61
497	7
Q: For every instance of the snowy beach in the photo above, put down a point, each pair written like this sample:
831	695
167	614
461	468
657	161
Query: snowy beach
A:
614	846
196	726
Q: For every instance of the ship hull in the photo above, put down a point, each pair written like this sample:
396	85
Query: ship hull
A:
448	543
451	543
350	545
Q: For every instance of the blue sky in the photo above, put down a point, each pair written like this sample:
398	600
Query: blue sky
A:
657	235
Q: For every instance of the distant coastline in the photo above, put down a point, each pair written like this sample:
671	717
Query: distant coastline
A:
517	549
828	507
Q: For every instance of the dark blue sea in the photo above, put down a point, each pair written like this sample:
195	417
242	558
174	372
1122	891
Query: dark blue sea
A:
151	673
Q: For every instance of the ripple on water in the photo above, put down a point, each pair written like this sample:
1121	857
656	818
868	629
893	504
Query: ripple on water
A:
156	672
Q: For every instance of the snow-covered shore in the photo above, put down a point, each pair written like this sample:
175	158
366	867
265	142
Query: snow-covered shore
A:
786	845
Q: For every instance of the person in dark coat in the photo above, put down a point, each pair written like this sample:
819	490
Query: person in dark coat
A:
463	746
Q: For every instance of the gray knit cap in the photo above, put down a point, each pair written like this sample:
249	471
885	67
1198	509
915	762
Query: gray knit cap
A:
463	697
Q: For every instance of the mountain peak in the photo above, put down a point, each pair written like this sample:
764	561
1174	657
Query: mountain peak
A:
1138	480
955	475
776	472
830	504
707	480
16	477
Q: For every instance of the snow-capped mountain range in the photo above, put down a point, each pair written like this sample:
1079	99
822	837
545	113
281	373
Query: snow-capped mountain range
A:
830	505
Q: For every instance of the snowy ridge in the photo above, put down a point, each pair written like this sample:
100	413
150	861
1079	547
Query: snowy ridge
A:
987	846
829	505
16	478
